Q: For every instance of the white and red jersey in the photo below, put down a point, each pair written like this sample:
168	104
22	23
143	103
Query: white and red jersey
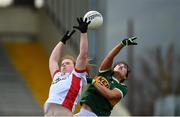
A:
66	88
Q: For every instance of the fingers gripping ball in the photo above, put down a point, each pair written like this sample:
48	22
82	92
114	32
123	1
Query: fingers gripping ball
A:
102	81
83	25
95	18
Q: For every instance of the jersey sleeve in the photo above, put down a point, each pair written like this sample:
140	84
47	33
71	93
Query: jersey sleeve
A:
81	74
55	72
122	89
56	76
79	71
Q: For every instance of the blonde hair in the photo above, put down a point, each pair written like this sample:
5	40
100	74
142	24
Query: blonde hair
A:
88	64
69	57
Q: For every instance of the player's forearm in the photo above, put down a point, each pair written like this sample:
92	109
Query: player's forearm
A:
107	93
55	57
108	61
83	55
102	90
57	52
115	51
83	44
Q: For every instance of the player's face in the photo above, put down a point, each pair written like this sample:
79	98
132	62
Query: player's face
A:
67	66
121	69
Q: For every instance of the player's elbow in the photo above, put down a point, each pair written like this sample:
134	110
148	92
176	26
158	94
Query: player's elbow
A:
111	96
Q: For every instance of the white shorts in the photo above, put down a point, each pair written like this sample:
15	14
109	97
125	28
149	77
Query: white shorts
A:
85	113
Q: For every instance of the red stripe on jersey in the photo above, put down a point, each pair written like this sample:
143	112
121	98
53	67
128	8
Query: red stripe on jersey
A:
55	72
72	93
80	71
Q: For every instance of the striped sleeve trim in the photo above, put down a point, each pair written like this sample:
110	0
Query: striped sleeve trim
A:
120	92
80	71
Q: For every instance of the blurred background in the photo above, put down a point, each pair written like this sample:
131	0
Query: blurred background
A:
29	29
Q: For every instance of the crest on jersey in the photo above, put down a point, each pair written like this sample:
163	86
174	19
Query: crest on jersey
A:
102	80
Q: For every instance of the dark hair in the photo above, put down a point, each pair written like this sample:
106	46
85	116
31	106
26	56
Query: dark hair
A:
121	62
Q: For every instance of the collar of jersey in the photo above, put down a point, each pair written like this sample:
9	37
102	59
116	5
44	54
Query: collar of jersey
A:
115	79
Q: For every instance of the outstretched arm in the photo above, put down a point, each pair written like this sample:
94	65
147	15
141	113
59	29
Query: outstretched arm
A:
57	53
83	54
108	60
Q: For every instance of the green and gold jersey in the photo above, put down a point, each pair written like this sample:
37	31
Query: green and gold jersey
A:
98	103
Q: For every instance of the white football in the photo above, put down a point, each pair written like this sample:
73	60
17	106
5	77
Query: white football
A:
95	18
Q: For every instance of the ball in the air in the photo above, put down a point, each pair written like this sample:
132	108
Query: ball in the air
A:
95	18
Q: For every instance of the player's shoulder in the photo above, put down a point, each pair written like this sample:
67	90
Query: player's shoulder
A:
119	84
123	84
